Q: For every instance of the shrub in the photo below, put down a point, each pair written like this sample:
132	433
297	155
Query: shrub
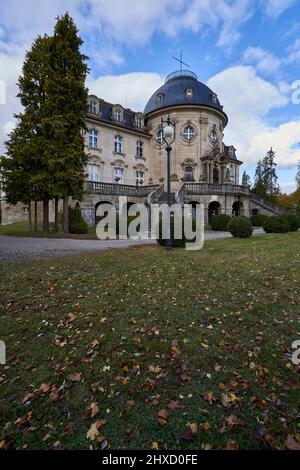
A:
177	243
276	224
293	221
220	222
258	220
77	224
240	227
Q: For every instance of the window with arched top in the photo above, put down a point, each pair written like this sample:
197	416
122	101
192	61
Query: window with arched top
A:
159	97
189	133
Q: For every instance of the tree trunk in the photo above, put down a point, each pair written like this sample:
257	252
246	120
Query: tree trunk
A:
30	217
66	214
56	214
35	216
46	214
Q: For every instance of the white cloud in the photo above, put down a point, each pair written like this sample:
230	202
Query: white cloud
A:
275	8
294	52
247	99
264	61
131	90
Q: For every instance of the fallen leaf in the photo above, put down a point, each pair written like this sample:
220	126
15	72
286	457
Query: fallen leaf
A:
74	377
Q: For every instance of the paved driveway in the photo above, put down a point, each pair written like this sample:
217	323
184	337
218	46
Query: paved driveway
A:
17	249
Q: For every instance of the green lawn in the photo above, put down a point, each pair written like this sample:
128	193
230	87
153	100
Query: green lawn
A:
20	229
141	347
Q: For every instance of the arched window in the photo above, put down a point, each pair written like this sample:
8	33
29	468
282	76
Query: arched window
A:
159	97
188	173
118	144
118	115
213	136
139	149
93	138
189	133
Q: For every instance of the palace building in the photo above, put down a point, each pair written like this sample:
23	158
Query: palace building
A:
127	155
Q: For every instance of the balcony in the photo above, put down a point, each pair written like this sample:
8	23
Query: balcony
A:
211	188
116	189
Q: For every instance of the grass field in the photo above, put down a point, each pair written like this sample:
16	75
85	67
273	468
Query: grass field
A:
20	229
142	348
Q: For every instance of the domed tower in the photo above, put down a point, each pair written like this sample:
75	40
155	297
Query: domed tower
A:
198	153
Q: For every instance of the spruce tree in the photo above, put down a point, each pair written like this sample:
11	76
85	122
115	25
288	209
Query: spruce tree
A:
265	184
66	111
23	169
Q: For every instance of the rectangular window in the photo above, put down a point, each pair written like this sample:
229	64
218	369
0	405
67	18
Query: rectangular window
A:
139	149
119	175
93	138
93	173
118	144
140	178
118	115
93	107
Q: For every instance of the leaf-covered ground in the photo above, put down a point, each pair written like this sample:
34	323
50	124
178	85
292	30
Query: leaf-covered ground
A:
144	348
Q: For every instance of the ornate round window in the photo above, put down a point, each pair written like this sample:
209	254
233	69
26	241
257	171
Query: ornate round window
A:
213	136
159	137
189	133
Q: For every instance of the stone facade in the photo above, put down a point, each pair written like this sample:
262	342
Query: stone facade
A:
127	156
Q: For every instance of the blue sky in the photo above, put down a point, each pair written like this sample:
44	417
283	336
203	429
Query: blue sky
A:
248	51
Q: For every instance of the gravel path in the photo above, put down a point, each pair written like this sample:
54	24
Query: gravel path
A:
18	249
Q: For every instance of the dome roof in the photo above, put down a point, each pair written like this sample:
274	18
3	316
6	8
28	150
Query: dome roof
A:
183	88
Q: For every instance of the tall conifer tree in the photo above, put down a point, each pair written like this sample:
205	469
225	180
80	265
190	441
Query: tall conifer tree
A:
66	112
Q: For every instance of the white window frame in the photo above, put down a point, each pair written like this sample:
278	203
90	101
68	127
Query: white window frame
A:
119	173
159	137
93	138
118	144
93	107
118	115
93	172
189	133
140	178
139	122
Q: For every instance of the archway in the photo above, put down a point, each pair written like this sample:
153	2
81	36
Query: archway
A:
237	208
255	212
214	208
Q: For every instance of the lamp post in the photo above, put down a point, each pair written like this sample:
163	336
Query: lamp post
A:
168	136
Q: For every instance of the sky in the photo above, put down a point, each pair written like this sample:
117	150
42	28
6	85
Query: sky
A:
247	51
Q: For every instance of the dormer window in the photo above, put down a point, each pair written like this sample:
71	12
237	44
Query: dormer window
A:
189	92
214	98
139	122
93	107
160	97
118	115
